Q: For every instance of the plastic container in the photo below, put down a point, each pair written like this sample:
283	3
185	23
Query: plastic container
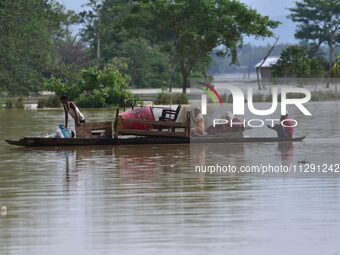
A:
144	113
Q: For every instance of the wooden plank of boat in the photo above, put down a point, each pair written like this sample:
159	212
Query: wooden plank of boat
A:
40	141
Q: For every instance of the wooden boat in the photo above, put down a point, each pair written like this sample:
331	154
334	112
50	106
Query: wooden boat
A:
144	131
56	142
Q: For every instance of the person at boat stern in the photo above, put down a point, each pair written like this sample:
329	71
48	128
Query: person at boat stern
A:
289	126
71	108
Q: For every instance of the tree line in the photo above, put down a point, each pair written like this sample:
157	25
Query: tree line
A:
150	43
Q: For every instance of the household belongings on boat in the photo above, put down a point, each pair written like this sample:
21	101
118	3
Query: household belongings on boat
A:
61	132
84	130
146	126
142	122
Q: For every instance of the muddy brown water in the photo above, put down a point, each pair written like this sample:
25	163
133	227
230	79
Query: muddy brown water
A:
149	200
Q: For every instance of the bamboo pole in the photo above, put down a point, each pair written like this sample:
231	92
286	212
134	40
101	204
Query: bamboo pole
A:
116	124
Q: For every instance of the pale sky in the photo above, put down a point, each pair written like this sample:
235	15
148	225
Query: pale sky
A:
275	9
73	4
271	7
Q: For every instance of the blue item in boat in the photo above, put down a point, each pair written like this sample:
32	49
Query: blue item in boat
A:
65	131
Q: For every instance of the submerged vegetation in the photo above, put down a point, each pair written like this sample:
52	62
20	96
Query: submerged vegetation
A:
171	98
17	103
52	101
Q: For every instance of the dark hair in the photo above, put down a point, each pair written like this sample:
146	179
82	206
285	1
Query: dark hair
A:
63	97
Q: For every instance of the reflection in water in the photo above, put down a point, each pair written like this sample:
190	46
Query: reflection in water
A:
145	163
77	159
287	151
212	154
148	199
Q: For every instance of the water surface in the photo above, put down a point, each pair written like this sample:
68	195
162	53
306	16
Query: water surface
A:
149	200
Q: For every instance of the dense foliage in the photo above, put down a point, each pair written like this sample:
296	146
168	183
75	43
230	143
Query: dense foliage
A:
188	31
171	98
167	37
336	68
26	43
161	43
109	39
295	62
319	22
96	88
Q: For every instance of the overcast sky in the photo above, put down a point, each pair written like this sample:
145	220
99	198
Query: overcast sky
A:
271	7
275	9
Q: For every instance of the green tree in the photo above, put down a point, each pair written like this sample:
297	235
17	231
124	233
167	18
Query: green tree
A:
71	57
295	62
148	66
336	68
319	22
188	30
27	30
336	72
96	88
106	34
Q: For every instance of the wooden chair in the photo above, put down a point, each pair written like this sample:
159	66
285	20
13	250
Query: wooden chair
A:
169	115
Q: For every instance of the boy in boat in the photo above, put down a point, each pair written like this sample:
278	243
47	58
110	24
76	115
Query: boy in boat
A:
72	109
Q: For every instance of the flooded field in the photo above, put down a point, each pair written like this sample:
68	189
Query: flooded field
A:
149	200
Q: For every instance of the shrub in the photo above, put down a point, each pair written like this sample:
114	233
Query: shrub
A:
19	104
171	98
324	96
295	62
9	104
50	102
96	88
258	98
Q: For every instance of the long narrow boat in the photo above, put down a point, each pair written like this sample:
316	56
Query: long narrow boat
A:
56	142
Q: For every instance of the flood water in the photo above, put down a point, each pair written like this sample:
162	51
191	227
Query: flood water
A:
149	200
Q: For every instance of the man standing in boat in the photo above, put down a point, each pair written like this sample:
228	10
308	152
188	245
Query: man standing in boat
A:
72	109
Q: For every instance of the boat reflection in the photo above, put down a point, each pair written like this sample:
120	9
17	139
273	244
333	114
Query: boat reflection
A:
145	163
82	159
203	154
152	163
286	150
